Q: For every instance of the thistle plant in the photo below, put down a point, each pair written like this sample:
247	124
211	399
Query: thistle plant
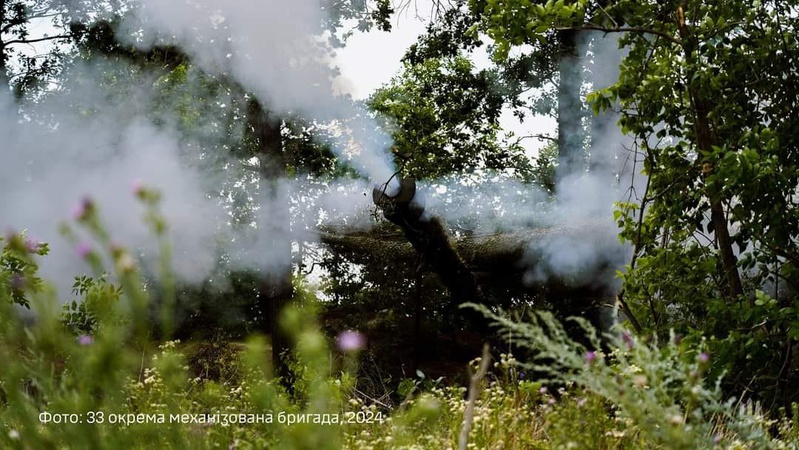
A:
659	390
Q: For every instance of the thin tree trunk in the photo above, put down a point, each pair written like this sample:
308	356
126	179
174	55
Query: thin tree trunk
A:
570	131
704	142
3	55
275	288
417	318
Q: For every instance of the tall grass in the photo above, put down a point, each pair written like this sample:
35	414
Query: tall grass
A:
91	376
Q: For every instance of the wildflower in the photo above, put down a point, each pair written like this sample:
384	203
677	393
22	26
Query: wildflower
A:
640	381
627	339
83	209
13	435
85	339
32	245
581	402
551	401
543	390
17	281
633	368
590	357
521	375
350	341
125	263
717	439
703	357
137	187
83	250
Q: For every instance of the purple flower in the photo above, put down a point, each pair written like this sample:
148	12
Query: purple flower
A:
79	211
703	357
551	401
83	250
627	339
543	390
136	187
17	282
32	245
521	375
85	339
82	209
351	341
590	357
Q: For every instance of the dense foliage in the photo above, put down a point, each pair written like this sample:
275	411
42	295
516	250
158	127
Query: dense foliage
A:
117	388
136	358
706	90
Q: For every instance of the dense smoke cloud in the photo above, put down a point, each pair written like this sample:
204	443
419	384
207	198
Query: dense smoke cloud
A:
277	50
100	149
273	49
82	141
585	199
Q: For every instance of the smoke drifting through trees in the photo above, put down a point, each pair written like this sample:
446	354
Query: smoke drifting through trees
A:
98	149
585	199
584	196
271	49
274	49
82	140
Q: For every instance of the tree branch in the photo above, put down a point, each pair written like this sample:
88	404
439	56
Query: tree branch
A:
31	41
543	137
639	30
474	394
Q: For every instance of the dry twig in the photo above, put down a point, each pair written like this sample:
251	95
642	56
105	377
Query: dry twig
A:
474	394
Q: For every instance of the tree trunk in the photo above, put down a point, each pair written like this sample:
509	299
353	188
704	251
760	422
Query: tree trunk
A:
704	143
4	81
570	131
275	288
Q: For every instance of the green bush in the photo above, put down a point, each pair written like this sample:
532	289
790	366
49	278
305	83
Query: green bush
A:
88	375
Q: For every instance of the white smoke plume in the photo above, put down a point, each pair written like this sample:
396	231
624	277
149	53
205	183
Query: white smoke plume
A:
492	204
272	48
276	49
81	141
585	199
99	150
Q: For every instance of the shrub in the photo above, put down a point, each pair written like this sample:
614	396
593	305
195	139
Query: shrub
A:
111	386
658	391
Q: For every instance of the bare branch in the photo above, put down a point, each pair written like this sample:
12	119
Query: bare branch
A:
543	137
474	394
638	30
31	41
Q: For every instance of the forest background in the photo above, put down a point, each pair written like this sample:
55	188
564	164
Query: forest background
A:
189	178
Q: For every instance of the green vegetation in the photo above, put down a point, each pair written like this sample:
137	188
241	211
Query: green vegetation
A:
375	353
704	90
117	388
